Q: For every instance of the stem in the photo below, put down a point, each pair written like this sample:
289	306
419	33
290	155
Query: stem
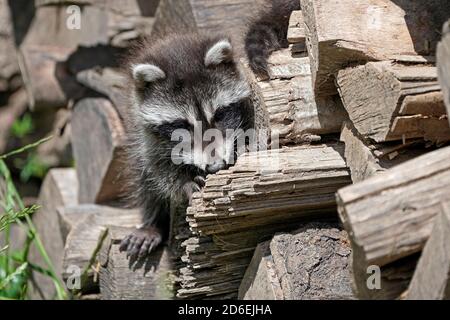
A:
26	148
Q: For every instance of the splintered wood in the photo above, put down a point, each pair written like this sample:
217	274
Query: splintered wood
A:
392	101
263	193
294	114
311	263
390	216
348	31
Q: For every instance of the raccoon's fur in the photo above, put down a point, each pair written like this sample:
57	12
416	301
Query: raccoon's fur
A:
268	32
180	82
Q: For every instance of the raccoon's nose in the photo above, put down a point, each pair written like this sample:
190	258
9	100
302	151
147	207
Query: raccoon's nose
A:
216	166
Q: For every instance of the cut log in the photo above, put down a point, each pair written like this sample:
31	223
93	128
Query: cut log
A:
431	280
108	82
340	32
390	101
149	279
82	240
366	159
263	193
443	59
8	61
48	83
97	142
296	31
294	114
60	188
390	216
229	17
309	264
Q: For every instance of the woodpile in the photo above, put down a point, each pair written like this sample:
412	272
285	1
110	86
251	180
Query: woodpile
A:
356	188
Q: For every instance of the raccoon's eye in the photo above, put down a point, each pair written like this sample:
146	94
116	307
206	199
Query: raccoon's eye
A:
167	128
228	115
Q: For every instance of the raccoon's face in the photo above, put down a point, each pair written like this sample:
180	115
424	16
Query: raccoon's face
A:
193	99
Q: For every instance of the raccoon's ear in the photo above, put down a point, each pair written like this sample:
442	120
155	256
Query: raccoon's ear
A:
220	52
147	73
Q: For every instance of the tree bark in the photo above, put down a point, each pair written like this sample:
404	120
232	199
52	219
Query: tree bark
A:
443	57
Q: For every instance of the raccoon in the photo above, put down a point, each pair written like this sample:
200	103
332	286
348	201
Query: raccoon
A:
267	33
183	83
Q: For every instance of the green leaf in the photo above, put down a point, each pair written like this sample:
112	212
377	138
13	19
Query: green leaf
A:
18	272
22	127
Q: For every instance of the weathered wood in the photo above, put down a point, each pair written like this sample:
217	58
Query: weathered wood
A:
108	82
8	61
431	280
148	279
296	31
390	216
310	263
48	83
443	59
287	98
228	17
366	159
340	32
60	188
97	142
263	193
82	239
391	101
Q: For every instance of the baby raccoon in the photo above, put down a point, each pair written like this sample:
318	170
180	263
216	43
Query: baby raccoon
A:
181	84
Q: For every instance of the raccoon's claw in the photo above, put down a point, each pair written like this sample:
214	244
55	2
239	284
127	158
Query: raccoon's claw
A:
200	180
189	189
141	242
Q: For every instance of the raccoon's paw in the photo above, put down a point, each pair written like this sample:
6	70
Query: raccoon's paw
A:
191	187
260	67
141	242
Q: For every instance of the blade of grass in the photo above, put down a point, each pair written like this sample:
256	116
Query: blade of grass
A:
4	249
21	269
12	217
25	148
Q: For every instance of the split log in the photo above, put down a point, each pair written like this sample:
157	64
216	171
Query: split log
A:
431	280
97	142
8	61
366	159
443	54
148	279
108	82
60	188
390	216
294	114
296	31
48	83
308	264
82	239
229	17
264	193
390	101
340	32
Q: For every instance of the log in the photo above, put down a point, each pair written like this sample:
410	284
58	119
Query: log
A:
149	279
366	159
296	31
9	69
97	142
340	32
311	263
229	17
443	54
48	83
108	82
390	216
431	280
58	189
82	239
294	114
389	101
265	192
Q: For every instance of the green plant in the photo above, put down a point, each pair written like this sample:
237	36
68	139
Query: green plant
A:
15	269
22	127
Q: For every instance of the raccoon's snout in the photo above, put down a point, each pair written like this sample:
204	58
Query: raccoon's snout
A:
215	167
